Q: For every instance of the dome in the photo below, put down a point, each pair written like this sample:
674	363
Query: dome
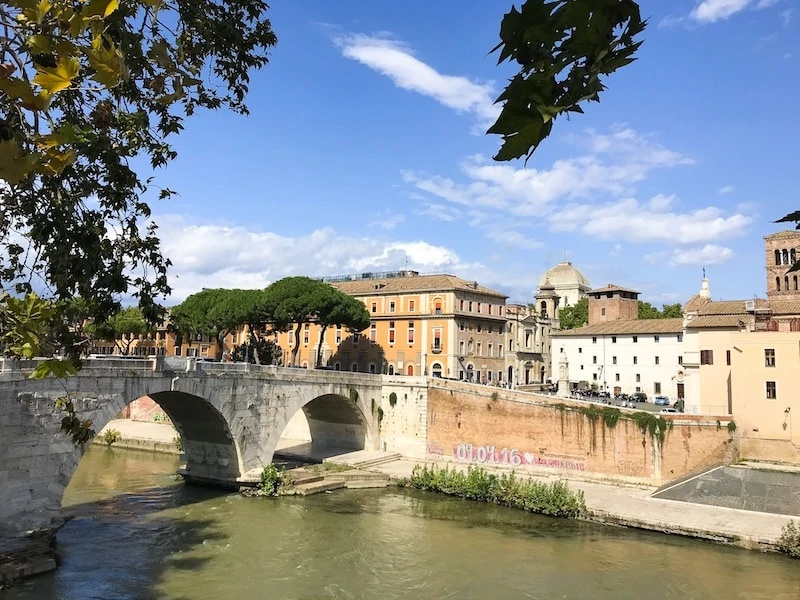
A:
564	275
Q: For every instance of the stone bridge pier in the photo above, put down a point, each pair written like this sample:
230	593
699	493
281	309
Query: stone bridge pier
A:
230	418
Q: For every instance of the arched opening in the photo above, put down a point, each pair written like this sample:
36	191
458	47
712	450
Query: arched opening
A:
510	375
410	370
327	426
541	374
543	307
792	256
777	257
436	370
372	368
337	366
794	280
470	373
354	367
391	369
785	254
786	282
778	283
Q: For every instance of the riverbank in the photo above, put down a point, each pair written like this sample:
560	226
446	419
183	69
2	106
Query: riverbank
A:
141	435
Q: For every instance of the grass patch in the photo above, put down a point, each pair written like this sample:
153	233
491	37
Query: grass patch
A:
111	436
555	499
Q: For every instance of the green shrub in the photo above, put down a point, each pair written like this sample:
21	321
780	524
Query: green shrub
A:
495	396
731	427
110	436
271	480
555	499
392	399
380	414
178	441
789	542
353	395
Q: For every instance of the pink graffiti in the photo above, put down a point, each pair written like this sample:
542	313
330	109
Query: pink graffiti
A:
434	448
492	455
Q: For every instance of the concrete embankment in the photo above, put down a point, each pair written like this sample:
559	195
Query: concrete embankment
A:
140	435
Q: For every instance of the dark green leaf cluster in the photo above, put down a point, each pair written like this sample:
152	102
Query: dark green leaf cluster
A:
668	311
86	230
554	499
572	317
258	351
563	48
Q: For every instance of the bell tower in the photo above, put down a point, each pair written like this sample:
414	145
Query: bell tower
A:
781	254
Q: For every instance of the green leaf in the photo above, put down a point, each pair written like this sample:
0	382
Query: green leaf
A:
54	80
106	64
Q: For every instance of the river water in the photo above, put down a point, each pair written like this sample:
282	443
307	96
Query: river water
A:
140	534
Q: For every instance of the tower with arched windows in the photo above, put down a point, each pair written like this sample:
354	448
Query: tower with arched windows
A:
782	252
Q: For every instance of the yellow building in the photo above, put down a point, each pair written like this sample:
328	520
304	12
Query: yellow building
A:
439	325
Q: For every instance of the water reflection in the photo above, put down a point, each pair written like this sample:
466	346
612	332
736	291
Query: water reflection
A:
140	534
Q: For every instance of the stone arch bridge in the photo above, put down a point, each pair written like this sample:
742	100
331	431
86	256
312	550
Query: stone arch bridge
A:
230	417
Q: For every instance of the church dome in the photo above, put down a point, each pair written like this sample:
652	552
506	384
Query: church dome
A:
564	275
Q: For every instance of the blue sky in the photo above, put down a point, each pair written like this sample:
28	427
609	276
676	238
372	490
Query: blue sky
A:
364	149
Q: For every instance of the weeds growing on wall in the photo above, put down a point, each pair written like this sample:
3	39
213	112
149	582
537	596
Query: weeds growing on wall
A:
648	423
111	436
392	399
653	424
178	441
555	499
731	427
353	395
380	414
789	542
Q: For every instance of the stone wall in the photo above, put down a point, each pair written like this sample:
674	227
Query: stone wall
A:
486	426
403	427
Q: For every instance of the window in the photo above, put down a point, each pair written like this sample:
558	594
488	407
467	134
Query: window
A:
616	377
499	351
391	369
410	332
354	367
594	360
680	360
613	360
603	312
580	350
470	307
391	332
391	306
636	339
490	349
480	349
581	367
656	339
338	335
412	306
177	350
460	305
461	348
594	376
356	337
461	326
373	332
657	387
769	357
778	283
772	392
191	352
374	307
613	339
658	360
594	340
638	388
680	337
479	327
479	307
728	357
305	334
437	307
706	357
489	306
437	339
636	360
489	329
500	310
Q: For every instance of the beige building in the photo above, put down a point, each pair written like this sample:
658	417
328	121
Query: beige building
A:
569	284
438	325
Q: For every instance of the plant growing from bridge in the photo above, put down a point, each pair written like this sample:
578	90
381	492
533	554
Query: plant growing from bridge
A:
111	436
271	480
789	541
392	399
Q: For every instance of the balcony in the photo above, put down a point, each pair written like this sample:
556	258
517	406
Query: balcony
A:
436	349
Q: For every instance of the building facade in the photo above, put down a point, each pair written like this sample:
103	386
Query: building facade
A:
782	252
569	283
438	325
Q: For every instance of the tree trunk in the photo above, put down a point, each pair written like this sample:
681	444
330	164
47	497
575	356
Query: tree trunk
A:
296	349
322	330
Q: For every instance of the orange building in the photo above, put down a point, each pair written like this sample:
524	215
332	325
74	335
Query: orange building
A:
439	325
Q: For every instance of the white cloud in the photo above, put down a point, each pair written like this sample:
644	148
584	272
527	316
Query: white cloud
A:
219	255
709	254
388	220
440	212
726	189
512	239
786	16
395	60
616	162
636	222
711	11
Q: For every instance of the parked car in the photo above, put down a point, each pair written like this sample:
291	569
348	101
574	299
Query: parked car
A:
661	401
669	410
639	397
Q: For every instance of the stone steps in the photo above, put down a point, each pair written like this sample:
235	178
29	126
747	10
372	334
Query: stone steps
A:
317	487
360	460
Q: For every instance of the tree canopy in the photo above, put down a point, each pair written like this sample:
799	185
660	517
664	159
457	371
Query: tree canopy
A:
648	311
563	48
577	315
88	89
339	309
302	300
121	328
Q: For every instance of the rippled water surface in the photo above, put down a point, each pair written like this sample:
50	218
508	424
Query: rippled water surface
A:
141	534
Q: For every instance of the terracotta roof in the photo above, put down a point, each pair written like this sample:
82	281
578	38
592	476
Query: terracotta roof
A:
416	283
731	307
711	321
633	326
611	287
787	233
695	303
785	307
